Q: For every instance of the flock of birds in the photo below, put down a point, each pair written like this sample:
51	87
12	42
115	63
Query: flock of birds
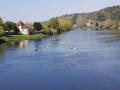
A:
35	49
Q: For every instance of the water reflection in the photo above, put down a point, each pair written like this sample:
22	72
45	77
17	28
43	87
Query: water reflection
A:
95	62
23	44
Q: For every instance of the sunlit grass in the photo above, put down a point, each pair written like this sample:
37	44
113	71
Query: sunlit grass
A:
8	38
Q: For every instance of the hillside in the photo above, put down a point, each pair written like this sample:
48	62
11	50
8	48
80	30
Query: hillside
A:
112	13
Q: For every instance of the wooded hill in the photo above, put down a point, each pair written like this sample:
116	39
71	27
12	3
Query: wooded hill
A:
112	13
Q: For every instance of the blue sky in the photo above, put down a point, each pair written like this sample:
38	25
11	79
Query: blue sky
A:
41	10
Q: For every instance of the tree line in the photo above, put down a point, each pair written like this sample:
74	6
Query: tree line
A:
53	26
107	24
7	26
107	18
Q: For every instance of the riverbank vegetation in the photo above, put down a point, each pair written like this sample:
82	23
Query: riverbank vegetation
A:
107	24
15	38
108	18
44	29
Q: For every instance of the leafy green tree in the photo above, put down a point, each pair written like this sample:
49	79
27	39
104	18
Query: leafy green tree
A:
106	23
81	24
114	24
10	26
46	29
1	25
53	23
14	27
64	25
37	26
100	17
96	24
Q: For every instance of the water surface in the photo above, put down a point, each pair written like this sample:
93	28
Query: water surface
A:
82	59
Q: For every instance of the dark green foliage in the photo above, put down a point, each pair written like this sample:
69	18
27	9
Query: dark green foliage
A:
96	24
1	25
73	20
1	21
10	26
100	17
14	27
37	26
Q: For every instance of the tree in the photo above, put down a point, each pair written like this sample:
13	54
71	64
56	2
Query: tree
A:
106	23
37	26
100	17
81	23
46	29
10	26
114	24
53	23
96	24
1	25
14	27
7	26
64	25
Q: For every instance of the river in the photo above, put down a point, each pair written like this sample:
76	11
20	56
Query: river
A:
81	59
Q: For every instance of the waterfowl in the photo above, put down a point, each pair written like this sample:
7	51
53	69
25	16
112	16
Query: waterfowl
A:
40	46
72	47
35	49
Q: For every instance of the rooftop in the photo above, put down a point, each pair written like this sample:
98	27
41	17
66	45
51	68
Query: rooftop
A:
20	23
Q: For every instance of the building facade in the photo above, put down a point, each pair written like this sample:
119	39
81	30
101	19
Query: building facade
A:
24	29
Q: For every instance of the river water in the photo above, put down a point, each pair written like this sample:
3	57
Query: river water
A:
82	59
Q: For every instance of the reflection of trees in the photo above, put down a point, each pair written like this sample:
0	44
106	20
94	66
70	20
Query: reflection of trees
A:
37	42
2	53
23	44
3	47
114	36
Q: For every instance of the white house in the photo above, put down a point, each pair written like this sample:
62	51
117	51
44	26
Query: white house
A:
88	23
24	29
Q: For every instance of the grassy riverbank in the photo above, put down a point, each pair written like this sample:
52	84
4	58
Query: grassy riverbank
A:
15	38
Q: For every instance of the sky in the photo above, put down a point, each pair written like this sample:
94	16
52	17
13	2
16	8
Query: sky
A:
43	10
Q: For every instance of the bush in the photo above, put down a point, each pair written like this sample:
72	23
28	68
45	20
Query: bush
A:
64	25
37	26
46	29
53	23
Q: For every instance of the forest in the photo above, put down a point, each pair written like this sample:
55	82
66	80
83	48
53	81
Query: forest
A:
105	18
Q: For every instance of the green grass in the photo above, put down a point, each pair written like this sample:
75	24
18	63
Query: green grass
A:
9	38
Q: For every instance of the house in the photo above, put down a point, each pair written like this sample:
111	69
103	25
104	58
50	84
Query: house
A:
88	23
24	29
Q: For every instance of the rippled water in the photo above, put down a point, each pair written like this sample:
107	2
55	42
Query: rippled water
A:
77	60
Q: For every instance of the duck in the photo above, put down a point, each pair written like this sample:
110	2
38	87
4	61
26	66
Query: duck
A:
72	47
35	49
55	39
47	46
40	46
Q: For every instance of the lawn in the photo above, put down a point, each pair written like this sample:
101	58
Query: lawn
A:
9	38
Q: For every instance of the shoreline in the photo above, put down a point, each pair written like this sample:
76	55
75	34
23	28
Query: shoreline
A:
17	38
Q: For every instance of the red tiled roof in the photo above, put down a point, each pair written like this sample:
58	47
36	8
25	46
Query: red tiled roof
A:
20	23
25	27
